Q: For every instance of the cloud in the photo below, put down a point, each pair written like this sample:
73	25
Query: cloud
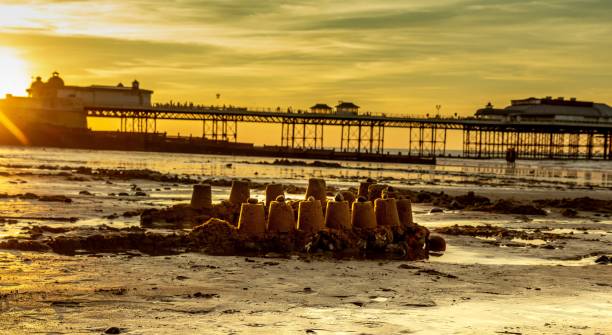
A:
388	55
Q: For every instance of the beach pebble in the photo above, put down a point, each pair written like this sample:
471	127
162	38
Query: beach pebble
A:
569	213
112	330
456	205
437	243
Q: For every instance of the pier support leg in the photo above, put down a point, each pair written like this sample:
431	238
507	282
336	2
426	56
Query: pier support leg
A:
220	129
302	136
606	146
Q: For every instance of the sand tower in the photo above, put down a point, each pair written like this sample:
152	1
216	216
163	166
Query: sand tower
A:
272	193
375	191
310	216
337	214
349	196
252	219
317	189
364	189
386	212
362	215
201	197
240	192
280	216
404	211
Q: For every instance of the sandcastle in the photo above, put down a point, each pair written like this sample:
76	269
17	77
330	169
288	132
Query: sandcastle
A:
362	215
348	196
273	191
375	191
310	216
240	192
337	214
252	219
379	227
317	189
386	212
280	216
404	211
364	189
201	196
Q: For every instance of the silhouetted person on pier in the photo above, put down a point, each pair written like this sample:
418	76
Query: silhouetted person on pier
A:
511	156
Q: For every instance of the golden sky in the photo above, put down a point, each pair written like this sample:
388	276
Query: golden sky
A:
387	56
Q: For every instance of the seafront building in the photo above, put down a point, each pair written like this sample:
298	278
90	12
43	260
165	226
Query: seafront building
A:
347	108
343	108
53	103
321	109
549	110
95	95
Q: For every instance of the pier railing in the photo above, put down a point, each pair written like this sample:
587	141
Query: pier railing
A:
426	136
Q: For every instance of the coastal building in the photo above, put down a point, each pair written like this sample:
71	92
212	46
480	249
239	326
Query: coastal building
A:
53	103
347	108
343	108
321	109
95	95
548	110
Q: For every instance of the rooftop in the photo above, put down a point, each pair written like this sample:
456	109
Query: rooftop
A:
55	82
346	105
547	107
105	87
321	106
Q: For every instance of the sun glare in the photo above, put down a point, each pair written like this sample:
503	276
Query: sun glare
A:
14	78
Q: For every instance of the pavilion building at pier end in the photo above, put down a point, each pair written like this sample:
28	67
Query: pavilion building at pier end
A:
549	110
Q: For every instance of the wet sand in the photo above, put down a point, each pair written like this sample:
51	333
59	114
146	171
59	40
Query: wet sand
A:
194	293
480	285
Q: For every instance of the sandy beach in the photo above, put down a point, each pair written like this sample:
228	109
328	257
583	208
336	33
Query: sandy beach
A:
512	274
194	293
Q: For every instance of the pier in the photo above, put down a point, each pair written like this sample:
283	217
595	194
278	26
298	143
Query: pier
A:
365	133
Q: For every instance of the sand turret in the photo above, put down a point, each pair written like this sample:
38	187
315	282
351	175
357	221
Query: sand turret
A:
386	212
362	215
364	189
202	196
252	219
337	213
280	216
317	189
389	192
404	211
310	216
375	191
273	191
240	192
349	196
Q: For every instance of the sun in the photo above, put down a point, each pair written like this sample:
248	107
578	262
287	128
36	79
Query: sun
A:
14	78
